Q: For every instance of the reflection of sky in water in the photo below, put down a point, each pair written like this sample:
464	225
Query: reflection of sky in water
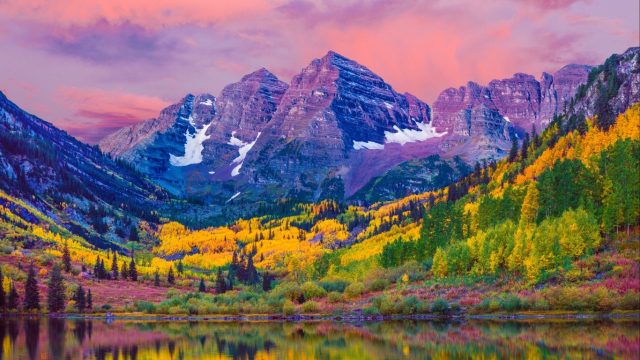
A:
84	339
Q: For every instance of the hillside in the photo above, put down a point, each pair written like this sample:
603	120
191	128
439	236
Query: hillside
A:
570	229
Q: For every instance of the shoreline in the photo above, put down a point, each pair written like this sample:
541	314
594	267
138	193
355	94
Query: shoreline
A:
347	318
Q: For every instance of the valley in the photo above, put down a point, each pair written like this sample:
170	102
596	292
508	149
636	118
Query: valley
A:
541	223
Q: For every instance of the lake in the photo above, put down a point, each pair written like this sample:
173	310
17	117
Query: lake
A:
23	338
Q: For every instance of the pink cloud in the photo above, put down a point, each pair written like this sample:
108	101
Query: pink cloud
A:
97	112
151	14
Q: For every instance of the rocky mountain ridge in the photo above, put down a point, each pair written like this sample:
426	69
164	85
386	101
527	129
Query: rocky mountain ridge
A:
333	129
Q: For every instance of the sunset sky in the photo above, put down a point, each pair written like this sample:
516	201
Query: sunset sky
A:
93	66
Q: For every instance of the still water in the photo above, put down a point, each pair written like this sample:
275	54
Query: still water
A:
95	339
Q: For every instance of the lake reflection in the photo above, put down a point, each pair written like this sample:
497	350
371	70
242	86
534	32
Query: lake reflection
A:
94	339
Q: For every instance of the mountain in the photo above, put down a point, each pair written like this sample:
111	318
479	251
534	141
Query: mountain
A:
330	132
610	89
73	183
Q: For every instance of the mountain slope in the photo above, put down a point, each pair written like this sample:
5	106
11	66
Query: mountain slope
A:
70	181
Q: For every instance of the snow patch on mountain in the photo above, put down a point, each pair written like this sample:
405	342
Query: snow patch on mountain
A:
402	136
207	102
192	148
243	150
233	197
370	145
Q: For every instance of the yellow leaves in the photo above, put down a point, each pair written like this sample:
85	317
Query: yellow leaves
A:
331	231
529	210
439	267
405	278
583	147
373	245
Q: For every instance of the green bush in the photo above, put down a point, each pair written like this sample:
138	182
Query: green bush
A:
288	290
409	305
311	290
106	307
354	290
145	306
371	311
334	285
288	308
440	306
422	307
310	307
387	305
629	301
377	285
510	302
335	297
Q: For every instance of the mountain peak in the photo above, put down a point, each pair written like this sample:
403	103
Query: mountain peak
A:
259	75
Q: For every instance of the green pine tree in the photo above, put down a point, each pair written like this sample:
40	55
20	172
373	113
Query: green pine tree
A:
114	266
202	287
13	298
31	293
89	300
55	293
221	285
124	271
133	273
171	279
66	257
80	299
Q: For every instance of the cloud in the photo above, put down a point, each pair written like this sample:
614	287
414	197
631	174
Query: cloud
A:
97	112
103	42
547	5
149	14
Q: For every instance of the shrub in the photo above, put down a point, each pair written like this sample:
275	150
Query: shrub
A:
371	311
310	307
455	307
422	307
377	285
334	285
311	290
106	307
288	308
335	297
510	302
354	290
440	306
288	290
145	306
409	305
387	304
630	301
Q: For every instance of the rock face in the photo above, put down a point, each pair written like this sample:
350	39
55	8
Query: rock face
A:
619	77
162	147
521	100
333	129
334	108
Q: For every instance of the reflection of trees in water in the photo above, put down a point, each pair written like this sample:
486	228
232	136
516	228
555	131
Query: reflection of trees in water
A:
390	340
3	334
14	330
32	335
80	330
56	334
